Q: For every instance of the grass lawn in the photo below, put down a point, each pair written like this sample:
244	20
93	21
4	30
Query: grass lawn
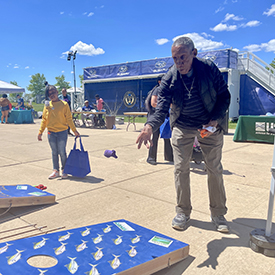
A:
38	107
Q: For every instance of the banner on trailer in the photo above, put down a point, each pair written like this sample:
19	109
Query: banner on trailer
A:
223	59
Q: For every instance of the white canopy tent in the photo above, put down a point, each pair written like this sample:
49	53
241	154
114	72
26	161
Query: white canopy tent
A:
7	88
77	97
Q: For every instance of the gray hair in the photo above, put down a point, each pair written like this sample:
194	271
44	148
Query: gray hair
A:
184	41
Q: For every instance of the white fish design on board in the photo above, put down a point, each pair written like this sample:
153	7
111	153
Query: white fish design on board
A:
16	257
107	229
136	239
118	240
98	254
81	246
132	252
42	271
86	232
65	237
4	248
115	263
59	250
93	271
40	244
72	266
97	239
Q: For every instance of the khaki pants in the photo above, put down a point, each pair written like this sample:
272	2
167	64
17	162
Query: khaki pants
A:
182	143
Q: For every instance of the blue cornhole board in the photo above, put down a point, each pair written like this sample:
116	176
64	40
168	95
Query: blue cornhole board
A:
23	195
116	247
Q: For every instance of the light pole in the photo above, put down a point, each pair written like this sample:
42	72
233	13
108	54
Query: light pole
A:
73	54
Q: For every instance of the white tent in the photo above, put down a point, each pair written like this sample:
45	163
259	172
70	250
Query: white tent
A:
7	88
78	90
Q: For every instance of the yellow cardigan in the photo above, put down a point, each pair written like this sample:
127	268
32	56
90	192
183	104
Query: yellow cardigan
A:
57	117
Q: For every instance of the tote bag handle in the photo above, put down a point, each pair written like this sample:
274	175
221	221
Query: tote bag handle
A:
81	145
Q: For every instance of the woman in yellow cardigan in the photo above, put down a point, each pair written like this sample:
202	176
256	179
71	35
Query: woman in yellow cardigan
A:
57	117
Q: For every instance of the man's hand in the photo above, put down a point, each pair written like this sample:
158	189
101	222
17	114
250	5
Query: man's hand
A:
211	123
39	137
145	136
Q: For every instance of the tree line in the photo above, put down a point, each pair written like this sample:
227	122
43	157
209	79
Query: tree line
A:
37	86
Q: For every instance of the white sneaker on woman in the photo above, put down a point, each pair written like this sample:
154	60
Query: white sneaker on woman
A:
53	175
64	176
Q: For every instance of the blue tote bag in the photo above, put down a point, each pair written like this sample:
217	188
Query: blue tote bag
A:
78	164
165	129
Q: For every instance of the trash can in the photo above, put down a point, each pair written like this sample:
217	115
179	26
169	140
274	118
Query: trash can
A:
110	121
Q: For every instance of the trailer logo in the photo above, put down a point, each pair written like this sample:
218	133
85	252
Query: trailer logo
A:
91	73
160	67
160	64
129	99
123	70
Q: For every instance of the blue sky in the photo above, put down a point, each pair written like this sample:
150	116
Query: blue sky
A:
37	34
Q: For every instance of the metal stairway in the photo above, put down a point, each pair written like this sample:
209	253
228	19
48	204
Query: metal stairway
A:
254	67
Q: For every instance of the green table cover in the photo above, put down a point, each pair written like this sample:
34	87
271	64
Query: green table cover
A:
255	128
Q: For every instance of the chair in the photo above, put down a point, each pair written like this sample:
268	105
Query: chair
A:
76	120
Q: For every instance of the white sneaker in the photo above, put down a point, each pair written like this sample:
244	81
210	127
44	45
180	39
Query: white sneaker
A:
53	175
64	176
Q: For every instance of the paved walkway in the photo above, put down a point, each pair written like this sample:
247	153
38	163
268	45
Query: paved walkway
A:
131	189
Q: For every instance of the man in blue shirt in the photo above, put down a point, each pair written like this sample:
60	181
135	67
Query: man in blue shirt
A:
20	102
87	108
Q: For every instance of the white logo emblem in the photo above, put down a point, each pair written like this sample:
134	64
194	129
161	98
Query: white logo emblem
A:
160	64
123	69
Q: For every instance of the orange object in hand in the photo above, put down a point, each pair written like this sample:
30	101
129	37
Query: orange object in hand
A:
204	133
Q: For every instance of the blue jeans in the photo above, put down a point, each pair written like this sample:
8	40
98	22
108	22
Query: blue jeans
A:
58	141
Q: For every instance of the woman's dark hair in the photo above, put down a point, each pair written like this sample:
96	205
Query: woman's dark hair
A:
49	88
4	96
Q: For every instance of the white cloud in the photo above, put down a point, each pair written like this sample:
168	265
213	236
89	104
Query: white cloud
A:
219	9
72	72
253	48
224	27
207	35
202	43
62	12
90	14
62	72
16	66
270	11
229	16
236	50
161	41
267	47
84	13
253	23
85	49
27	67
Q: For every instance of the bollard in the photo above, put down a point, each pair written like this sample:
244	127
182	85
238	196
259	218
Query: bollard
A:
261	240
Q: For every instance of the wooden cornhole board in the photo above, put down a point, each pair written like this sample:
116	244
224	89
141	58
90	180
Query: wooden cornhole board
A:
117	247
23	195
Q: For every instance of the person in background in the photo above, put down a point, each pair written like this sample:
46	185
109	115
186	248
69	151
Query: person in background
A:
20	102
99	102
87	108
199	96
151	103
65	97
5	107
56	117
99	106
